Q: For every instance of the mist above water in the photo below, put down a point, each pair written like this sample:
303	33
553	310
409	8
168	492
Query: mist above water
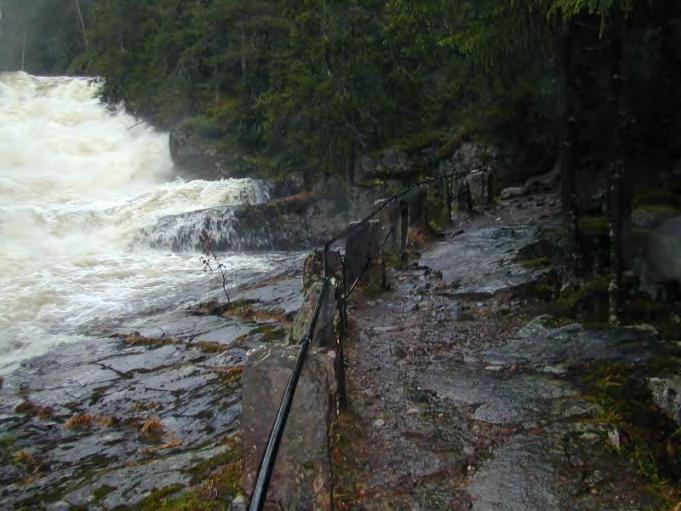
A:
77	183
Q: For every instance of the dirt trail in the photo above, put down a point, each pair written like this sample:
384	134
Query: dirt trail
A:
444	414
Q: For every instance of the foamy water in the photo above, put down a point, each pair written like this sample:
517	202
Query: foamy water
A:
77	182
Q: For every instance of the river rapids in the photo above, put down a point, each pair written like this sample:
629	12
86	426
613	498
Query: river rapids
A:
78	183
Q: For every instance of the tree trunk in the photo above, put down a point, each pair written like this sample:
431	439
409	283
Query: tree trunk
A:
23	50
618	207
566	157
82	24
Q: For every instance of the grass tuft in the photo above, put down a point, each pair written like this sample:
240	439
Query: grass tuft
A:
152	430
79	421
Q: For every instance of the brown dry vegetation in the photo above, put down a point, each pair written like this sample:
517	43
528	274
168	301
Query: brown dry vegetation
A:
152	429
231	374
33	410
171	443
78	421
25	459
248	312
135	339
211	346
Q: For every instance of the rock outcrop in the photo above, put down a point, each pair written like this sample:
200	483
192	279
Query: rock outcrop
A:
194	155
302	476
295	222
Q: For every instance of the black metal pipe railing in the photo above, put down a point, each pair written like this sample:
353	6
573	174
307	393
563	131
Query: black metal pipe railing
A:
267	462
270	454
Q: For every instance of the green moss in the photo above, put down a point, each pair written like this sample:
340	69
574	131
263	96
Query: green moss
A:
199	471
539	262
667	363
270	334
669	195
371	290
595	225
217	480
589	301
102	492
392	261
660	210
663	316
154	501
6	447
191	501
647	436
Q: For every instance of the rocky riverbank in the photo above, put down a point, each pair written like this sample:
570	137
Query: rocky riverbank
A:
123	422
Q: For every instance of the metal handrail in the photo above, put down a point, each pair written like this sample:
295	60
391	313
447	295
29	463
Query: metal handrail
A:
269	457
266	467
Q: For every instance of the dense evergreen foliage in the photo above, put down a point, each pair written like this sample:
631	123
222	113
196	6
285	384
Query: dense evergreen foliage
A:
313	84
41	36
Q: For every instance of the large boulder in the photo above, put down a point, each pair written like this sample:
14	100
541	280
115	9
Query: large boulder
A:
326	329
481	186
363	257
391	162
291	223
475	170
194	154
666	393
313	268
472	156
394	221
302	477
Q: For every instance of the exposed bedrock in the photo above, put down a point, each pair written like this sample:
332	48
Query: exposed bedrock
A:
295	222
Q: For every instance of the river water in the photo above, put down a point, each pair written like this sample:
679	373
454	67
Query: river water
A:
78	183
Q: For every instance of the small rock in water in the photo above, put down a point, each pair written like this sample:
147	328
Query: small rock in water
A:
379	423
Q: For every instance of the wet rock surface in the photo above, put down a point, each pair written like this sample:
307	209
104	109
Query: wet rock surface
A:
302	475
105	423
481	260
459	398
291	223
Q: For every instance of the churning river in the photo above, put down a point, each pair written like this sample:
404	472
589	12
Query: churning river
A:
78	183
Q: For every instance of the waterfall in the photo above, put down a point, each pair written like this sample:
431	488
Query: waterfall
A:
78	183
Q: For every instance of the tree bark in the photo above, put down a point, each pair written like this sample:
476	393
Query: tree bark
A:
82	24
566	157
23	50
618	207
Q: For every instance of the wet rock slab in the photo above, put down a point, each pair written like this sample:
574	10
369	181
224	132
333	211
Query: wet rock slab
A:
542	347
188	382
523	475
481	261
497	398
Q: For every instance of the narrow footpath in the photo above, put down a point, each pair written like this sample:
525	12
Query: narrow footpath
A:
460	391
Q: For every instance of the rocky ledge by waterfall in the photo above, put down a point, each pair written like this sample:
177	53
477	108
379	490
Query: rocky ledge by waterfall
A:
294	222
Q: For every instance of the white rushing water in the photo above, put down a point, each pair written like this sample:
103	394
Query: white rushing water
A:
77	182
